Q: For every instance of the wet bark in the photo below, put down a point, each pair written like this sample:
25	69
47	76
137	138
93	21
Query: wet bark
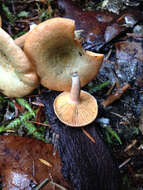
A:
86	165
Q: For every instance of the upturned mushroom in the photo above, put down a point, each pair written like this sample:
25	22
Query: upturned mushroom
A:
17	75
76	108
56	54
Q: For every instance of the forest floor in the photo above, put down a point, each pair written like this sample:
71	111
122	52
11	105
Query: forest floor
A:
118	87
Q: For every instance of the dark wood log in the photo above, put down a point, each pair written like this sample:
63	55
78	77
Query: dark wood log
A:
87	166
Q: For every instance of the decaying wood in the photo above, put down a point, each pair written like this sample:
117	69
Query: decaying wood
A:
86	165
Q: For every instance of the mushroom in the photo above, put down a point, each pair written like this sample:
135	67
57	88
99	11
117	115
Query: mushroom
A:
17	74
56	54
76	108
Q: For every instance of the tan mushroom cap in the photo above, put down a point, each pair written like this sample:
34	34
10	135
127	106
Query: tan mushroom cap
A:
56	54
76	115
17	75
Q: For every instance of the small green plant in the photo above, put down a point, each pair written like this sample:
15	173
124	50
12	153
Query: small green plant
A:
45	13
110	133
8	14
26	105
23	14
2	99
17	122
32	130
93	88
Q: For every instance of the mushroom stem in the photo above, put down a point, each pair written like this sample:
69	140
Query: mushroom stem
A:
75	89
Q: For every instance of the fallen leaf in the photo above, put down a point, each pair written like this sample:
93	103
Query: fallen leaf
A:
20	165
99	27
129	49
129	55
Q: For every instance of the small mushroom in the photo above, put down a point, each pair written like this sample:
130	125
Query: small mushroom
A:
76	108
17	75
56	54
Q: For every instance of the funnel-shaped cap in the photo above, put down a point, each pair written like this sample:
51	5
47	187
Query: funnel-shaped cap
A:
51	46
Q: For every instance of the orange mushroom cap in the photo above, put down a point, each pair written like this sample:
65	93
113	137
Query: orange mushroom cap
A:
56	54
17	75
76	109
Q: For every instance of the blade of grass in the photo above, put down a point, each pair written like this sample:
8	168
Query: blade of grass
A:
8	14
114	134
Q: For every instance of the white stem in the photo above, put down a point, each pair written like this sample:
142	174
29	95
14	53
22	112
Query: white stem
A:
75	90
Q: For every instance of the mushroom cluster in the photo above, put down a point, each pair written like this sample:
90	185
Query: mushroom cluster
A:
52	47
52	52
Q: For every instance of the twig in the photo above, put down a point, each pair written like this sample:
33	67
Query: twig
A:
110	89
61	187
108	54
45	181
38	123
124	163
38	104
112	98
121	17
89	136
33	168
117	114
130	145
